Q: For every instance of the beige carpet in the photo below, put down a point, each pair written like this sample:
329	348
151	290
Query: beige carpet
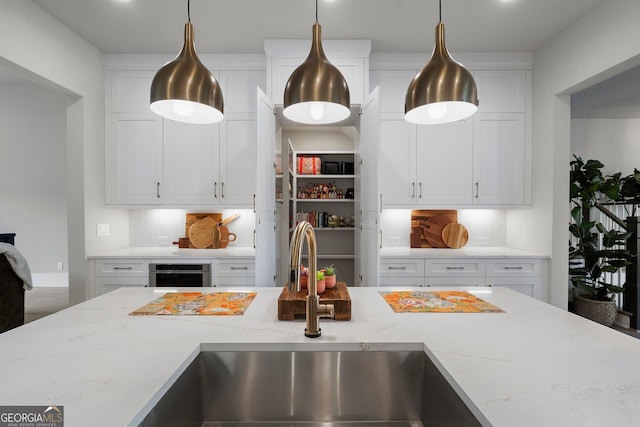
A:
41	302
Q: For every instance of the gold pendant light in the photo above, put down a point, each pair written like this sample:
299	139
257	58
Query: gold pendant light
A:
184	89
443	91
316	92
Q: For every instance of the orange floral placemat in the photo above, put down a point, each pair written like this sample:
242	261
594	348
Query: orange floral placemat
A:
437	302
198	303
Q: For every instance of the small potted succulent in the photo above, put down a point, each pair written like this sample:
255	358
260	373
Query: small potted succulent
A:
304	276
320	281
329	276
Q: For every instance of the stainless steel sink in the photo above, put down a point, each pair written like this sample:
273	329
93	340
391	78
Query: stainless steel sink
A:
318	387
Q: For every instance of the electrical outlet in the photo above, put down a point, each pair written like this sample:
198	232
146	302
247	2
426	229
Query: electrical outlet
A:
102	230
163	240
483	241
60	266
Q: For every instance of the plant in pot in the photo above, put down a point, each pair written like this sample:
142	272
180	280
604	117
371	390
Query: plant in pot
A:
320	281
594	250
330	278
304	277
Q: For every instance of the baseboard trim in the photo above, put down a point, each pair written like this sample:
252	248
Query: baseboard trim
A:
50	280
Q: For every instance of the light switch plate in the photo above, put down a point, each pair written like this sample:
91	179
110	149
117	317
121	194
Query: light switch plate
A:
102	230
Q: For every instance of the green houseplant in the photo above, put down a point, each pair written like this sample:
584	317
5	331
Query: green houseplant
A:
597	249
330	276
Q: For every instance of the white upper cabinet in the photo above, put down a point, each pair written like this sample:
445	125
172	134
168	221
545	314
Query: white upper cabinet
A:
499	163
351	57
151	160
191	167
480	161
134	159
445	163
501	91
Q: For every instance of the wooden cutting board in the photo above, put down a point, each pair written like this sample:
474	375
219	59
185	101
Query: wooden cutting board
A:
420	227
455	235
432	230
192	218
201	234
292	304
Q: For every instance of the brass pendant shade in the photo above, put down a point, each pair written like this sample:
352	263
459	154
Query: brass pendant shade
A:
443	91
316	92
184	89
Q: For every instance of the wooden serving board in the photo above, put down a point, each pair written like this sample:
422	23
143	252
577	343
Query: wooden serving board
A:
292	304
427	226
455	235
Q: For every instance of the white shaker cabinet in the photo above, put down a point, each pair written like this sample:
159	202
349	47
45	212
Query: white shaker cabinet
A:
154	161
480	161
191	166
134	159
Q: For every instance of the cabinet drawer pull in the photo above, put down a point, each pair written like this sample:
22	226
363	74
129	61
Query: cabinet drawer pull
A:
122	268
514	268
239	268
396	268
454	268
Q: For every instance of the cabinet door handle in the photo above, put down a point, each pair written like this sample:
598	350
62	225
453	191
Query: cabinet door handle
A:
380	202
222	189
158	190
215	189
476	190
420	190
454	268
380	239
413	190
122	268
514	268
239	268
396	268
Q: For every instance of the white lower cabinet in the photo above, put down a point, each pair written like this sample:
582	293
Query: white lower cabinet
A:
109	274
233	272
525	275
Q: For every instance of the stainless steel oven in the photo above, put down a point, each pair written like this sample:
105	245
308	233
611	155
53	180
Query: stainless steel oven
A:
179	275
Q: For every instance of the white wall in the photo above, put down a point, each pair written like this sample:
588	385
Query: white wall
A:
486	223
39	47
601	44
148	225
33	177
615	142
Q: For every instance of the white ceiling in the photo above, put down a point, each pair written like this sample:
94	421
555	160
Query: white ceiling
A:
224	26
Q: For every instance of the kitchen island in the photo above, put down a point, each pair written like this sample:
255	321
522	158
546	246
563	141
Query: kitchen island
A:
533	365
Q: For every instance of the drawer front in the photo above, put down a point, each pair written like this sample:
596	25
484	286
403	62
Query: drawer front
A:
530	286
104	284
122	267
454	268
234	268
401	267
443	281
508	268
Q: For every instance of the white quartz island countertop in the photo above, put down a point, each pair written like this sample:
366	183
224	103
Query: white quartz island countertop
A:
533	365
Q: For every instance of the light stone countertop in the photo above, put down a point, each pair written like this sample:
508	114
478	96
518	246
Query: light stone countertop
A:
175	252
534	365
468	251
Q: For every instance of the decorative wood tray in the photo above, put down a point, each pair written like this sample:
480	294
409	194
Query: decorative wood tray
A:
292	304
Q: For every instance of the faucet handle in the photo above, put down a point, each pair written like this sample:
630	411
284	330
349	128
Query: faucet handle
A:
326	310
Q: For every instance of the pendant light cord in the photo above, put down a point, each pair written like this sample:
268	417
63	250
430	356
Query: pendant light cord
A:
440	10
316	11
189	10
